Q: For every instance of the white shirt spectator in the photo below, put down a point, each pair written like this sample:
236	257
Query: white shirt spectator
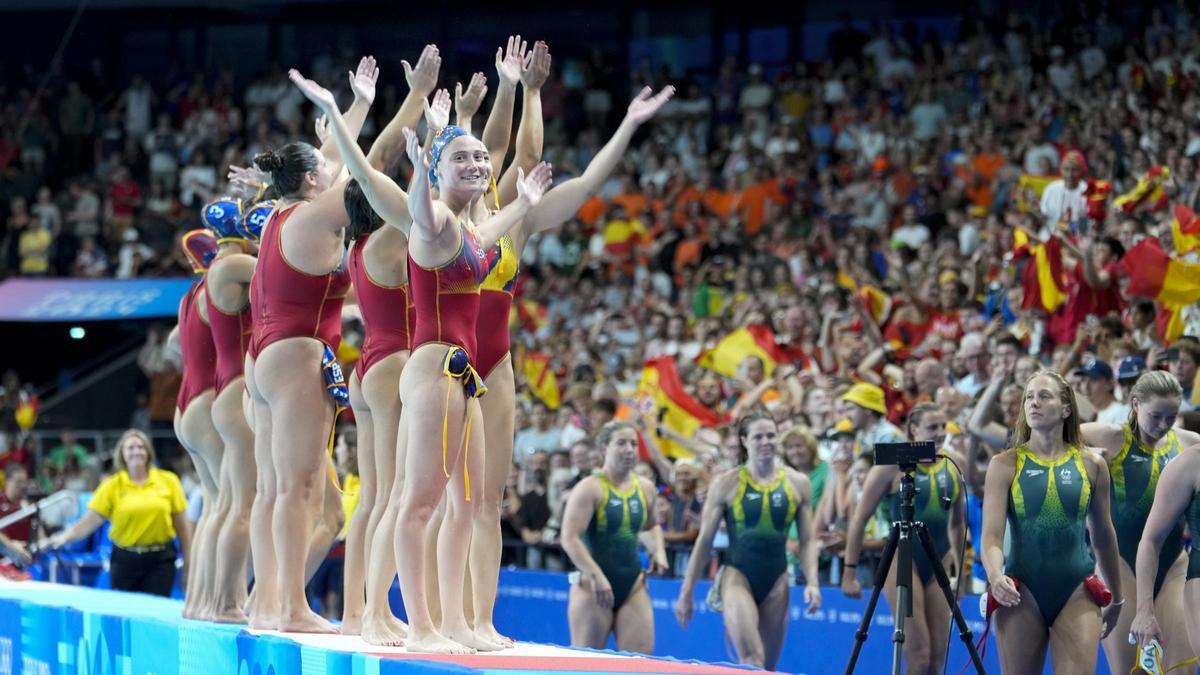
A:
1116	413
1057	200
927	119
531	440
1092	61
1063	77
912	235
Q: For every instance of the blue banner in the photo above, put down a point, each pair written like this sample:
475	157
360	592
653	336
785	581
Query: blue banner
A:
90	299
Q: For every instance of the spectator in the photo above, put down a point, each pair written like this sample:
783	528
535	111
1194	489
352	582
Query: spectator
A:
868	415
974	354
1098	385
84	217
76	121
13	499
541	436
68	446
146	507
134	256
1181	360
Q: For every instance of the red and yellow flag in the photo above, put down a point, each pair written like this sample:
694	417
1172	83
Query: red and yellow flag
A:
660	386
1042	278
756	340
530	315
1185	230
1030	182
1153	273
541	379
1148	194
620	236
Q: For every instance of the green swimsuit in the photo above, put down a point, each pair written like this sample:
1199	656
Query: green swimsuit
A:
612	536
1047	517
933	482
1135	474
757	521
1192	514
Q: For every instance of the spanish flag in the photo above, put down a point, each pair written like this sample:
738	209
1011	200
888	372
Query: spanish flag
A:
757	340
530	315
1185	230
680	412
1155	274
1097	193
541	378
1042	276
620	236
1148	194
1037	184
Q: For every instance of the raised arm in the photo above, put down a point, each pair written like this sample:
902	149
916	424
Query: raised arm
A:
879	479
425	223
387	198
530	190
498	130
710	520
422	80
981	425
362	83
564	200
1104	542
530	132
467	103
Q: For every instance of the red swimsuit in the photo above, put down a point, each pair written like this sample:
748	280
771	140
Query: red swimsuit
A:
199	353
231	334
447	297
286	302
495	303
388	329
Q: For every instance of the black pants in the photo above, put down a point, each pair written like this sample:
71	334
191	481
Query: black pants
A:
152	573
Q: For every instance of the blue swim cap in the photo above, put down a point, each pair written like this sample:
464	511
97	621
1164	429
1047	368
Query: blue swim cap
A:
221	216
252	222
440	142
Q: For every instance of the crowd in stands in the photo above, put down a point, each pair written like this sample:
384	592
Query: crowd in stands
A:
873	217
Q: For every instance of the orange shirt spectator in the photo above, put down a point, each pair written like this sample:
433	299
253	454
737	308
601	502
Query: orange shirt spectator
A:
591	210
634	203
986	164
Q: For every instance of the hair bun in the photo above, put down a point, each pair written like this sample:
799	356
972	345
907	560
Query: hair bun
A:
268	161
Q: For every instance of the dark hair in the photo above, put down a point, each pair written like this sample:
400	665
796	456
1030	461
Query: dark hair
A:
287	166
1010	339
17	467
743	425
604	405
363	219
606	433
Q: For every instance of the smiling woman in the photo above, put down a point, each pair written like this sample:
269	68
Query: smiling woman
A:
146	507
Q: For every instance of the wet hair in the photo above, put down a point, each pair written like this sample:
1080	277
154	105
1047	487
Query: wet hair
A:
1152	384
1071	434
918	411
288	165
606	433
363	219
743	427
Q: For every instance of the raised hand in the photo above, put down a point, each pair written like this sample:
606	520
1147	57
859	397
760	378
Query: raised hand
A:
248	176
644	106
423	78
532	187
510	61
437	116
466	104
362	81
536	67
322	129
320	96
412	145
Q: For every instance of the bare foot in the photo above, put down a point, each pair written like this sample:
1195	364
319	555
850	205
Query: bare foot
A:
396	625
264	620
305	621
490	634
232	614
434	643
377	632
471	639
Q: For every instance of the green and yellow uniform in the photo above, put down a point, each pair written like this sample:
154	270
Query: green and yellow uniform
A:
1135	474
933	482
1047	517
1192	514
757	520
141	515
612	536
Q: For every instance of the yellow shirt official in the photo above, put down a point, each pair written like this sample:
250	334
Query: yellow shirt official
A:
141	515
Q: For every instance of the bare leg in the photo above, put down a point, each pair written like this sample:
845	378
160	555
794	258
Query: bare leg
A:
590	624
486	549
634	622
741	618
301	416
382	392
1171	610
264	612
1075	634
916	639
455	537
423	391
354	581
1191	600
773	621
431	578
1117	649
204	445
1021	636
937	622
238	476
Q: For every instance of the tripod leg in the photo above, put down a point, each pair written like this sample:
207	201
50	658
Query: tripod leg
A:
904	601
864	626
964	632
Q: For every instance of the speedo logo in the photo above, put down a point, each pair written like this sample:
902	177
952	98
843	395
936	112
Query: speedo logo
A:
1034	472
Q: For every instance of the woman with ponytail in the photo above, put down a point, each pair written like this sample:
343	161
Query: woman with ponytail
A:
758	500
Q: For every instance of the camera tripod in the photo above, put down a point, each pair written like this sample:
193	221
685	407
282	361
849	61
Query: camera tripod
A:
901	538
